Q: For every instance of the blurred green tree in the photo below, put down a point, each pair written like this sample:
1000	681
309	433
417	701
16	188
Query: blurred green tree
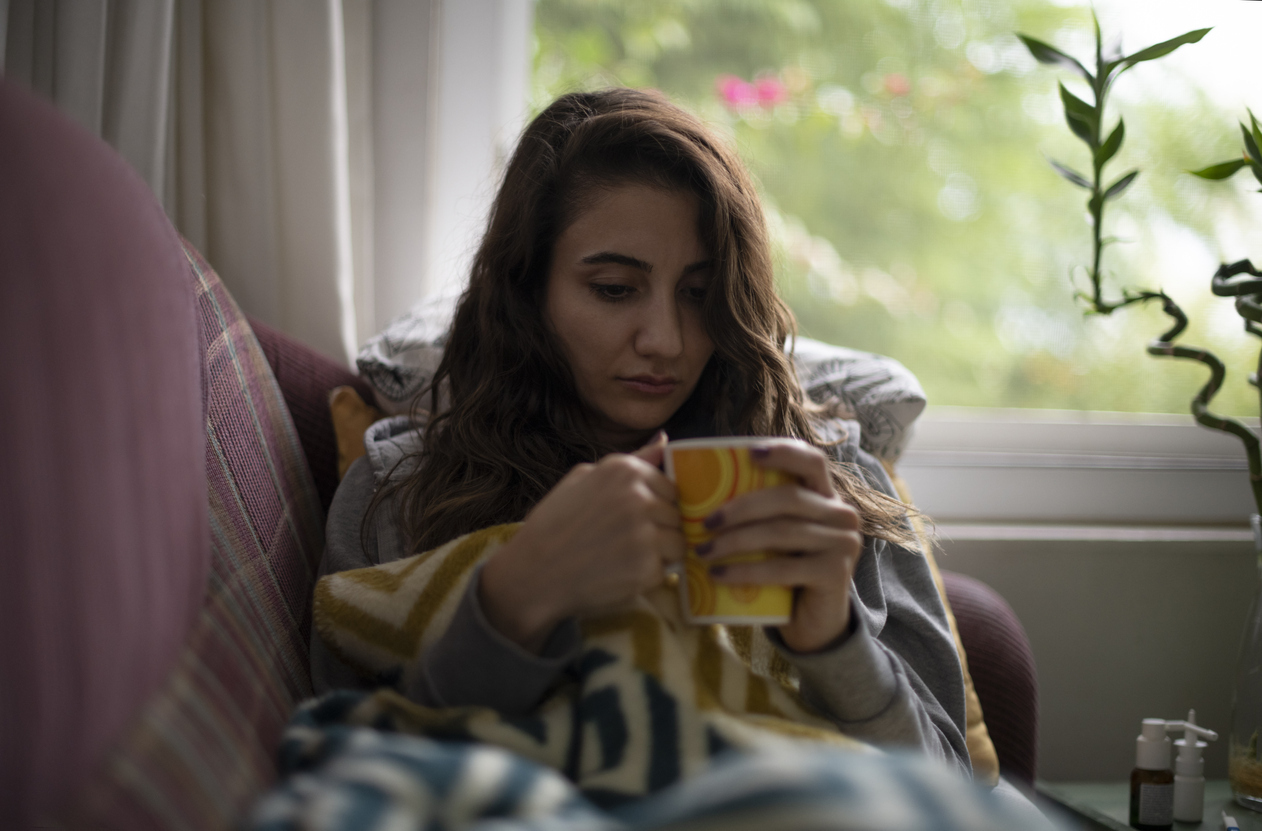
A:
898	144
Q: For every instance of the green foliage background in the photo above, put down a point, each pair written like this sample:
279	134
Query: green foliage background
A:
906	183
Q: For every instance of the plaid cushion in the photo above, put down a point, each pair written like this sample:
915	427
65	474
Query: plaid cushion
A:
203	748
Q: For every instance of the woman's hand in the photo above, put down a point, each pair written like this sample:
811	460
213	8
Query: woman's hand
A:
604	534
811	524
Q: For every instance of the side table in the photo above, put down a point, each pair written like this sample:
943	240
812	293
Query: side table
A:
1106	805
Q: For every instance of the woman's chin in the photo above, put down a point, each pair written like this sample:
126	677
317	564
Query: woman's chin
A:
632	430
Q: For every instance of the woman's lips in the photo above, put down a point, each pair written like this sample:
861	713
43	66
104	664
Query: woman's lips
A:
651	384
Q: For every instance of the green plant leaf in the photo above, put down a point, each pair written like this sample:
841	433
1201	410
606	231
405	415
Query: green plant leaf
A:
1222	170
1046	53
1257	133
1161	49
1250	144
1115	189
1072	175
1257	170
1081	117
1111	144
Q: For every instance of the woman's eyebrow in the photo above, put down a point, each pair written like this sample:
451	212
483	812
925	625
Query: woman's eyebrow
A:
636	263
616	259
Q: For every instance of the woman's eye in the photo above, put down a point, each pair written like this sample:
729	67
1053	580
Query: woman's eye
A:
694	294
612	292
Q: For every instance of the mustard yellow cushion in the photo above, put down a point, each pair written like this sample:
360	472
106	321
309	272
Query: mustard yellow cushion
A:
351	417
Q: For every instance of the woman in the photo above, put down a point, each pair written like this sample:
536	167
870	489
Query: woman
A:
624	292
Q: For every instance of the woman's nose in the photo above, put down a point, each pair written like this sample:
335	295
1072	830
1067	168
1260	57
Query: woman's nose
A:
660	331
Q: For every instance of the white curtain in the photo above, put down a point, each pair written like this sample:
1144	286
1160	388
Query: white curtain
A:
297	143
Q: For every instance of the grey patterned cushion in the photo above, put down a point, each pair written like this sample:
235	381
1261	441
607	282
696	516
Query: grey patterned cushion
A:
398	362
882	393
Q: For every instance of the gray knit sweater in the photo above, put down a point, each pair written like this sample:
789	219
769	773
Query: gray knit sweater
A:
893	680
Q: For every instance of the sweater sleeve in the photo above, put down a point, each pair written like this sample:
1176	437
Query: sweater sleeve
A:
894	679
471	663
865	689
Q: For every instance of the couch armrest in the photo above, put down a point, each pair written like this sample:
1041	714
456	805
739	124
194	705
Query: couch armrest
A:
306	377
1002	665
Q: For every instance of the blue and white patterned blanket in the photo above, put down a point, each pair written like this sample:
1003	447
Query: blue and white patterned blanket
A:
336	776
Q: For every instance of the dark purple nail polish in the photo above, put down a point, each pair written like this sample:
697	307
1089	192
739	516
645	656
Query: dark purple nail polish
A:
704	548
718	571
714	520
759	451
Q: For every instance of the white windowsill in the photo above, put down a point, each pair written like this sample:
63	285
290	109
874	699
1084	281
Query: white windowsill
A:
1051	474
963	532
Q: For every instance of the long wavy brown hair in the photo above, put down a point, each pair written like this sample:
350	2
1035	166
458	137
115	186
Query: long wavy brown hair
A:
502	419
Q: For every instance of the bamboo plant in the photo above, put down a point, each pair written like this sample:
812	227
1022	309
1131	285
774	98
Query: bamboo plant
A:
1087	121
1240	280
1248	294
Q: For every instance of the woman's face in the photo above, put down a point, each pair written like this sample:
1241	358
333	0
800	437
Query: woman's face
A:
624	300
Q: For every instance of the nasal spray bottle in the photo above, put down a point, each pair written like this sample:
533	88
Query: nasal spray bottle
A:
1189	769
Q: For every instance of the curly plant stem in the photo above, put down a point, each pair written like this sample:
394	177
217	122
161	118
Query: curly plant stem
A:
1247	306
1247	294
1129	296
1223	286
1164	346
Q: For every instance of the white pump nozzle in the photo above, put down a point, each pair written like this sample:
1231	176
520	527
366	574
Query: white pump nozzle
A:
1189	758
1152	746
1189	779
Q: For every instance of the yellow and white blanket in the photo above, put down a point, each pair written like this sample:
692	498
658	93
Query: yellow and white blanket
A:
654	701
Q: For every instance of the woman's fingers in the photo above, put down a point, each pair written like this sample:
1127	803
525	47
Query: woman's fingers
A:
671	545
783	535
654	450
783	501
653	556
819	570
662	514
625	469
798	458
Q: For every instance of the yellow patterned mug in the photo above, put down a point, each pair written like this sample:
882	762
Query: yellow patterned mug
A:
708	473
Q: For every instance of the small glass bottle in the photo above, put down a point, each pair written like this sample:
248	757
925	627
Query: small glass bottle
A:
1152	780
1244	767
